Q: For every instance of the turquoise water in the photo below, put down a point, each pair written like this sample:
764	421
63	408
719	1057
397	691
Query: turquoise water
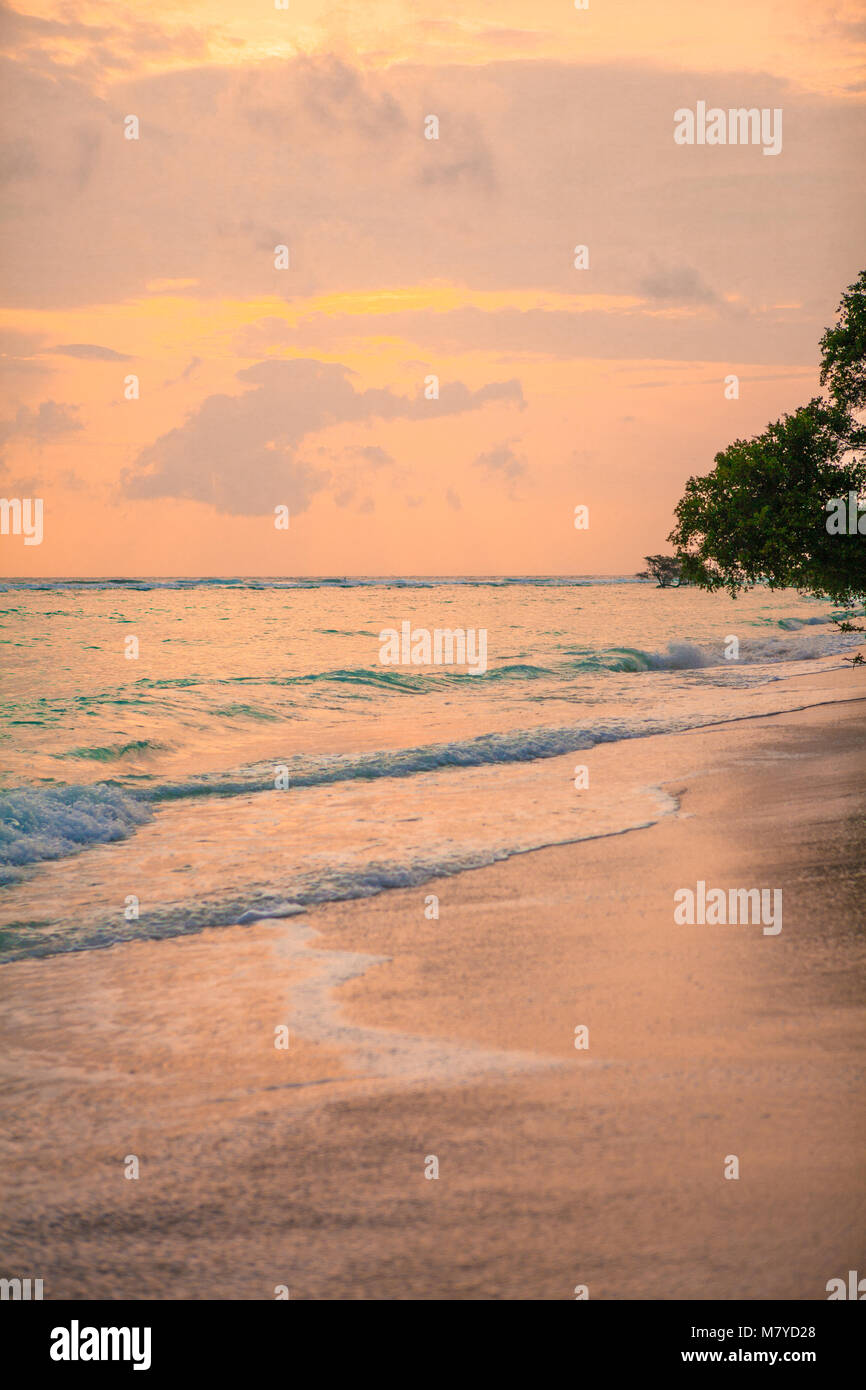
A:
256	757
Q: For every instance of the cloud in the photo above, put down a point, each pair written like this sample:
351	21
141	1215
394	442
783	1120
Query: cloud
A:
189	370
49	421
351	466
478	170
372	454
703	332
65	481
17	28
88	352
15	343
18	367
70	480
504	461
853	30
56	46
243	453
681	284
498	202
20	372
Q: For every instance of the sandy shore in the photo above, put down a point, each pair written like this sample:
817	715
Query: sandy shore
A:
411	1037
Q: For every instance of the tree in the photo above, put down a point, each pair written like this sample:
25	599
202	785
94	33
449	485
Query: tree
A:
664	569
761	516
843	356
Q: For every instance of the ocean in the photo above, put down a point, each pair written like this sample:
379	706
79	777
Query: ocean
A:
256	758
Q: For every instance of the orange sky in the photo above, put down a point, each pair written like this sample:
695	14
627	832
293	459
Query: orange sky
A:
408	258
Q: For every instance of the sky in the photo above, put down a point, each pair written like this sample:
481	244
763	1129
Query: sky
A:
168	381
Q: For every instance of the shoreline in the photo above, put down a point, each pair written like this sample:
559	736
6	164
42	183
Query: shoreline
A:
412	1037
294	904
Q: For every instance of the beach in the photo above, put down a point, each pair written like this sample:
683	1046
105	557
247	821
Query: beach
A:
413	1037
433	673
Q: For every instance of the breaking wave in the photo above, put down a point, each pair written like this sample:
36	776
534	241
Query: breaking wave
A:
38	824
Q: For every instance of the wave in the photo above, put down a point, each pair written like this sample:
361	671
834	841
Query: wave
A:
245	712
677	656
46	823
403	678
484	750
38	824
326	884
792	624
109	752
14	585
688	656
382	677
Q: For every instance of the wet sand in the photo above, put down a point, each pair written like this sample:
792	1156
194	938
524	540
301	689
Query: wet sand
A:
454	1038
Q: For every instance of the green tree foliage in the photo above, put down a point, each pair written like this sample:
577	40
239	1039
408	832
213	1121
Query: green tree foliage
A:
843	355
761	515
664	569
